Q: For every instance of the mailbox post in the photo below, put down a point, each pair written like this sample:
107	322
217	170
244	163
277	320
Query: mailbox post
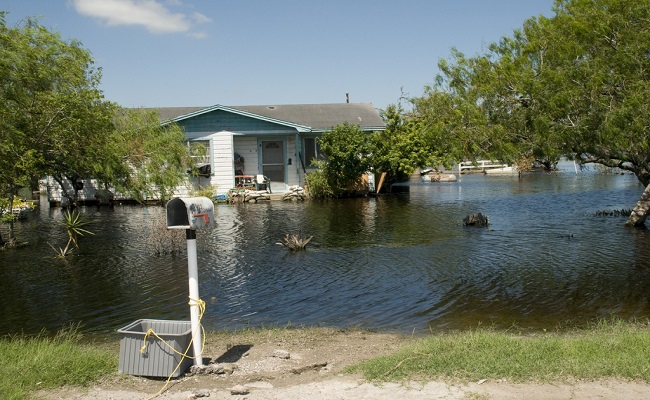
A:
191	214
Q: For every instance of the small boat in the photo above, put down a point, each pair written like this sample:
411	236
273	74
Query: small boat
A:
502	171
435	176
486	167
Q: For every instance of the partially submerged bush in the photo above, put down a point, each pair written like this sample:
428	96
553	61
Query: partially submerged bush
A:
73	223
162	241
295	242
317	185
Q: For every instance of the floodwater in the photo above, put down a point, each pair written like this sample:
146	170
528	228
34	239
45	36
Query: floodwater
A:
401	263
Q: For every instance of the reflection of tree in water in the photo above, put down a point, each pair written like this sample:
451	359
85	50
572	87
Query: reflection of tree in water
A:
163	241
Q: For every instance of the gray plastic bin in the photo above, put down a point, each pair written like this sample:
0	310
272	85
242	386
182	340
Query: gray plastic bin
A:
159	359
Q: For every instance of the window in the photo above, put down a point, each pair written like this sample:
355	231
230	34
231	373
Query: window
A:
312	151
200	153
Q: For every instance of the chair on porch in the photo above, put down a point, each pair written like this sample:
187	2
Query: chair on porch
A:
262	183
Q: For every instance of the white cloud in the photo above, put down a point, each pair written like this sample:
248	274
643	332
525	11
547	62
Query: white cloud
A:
200	18
150	14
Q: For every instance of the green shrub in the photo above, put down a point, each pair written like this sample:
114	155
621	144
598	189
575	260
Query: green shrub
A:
207	191
317	185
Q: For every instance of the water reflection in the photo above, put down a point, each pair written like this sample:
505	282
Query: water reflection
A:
398	263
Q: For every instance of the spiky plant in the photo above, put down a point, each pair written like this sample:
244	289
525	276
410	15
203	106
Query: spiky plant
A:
295	242
73	222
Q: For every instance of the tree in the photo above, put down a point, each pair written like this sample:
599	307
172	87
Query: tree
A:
348	154
403	146
49	99
576	84
149	160
77	150
54	121
16	158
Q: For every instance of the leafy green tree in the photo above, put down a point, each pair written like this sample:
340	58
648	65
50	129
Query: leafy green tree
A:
403	146
54	121
149	160
48	92
16	159
576	84
78	150
348	151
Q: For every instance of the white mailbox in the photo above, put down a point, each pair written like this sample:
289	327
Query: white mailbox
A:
190	213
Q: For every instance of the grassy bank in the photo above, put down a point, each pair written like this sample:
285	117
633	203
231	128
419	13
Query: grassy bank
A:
609	349
41	362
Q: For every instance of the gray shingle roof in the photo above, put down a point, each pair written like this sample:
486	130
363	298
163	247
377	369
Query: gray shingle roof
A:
317	116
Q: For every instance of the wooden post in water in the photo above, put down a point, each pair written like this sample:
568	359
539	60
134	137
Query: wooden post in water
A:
381	181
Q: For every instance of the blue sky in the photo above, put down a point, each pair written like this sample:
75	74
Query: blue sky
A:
165	53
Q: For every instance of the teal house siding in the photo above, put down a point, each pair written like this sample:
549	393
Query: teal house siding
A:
226	121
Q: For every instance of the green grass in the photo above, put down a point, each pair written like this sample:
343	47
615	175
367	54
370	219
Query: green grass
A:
609	349
34	363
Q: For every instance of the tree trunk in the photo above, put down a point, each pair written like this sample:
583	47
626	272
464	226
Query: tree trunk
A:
641	210
75	190
70	200
12	234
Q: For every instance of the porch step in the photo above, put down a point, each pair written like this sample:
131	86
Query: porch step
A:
276	196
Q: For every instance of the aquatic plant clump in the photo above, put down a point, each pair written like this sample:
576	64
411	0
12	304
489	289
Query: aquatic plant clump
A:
295	242
624	212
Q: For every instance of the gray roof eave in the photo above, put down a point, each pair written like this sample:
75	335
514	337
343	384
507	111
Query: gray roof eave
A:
365	129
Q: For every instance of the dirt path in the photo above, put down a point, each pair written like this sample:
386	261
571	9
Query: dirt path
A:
307	364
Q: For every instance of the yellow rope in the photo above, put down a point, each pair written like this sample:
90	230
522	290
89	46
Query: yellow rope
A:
146	336
193	303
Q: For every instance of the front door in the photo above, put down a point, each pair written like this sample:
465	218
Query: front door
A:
273	161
